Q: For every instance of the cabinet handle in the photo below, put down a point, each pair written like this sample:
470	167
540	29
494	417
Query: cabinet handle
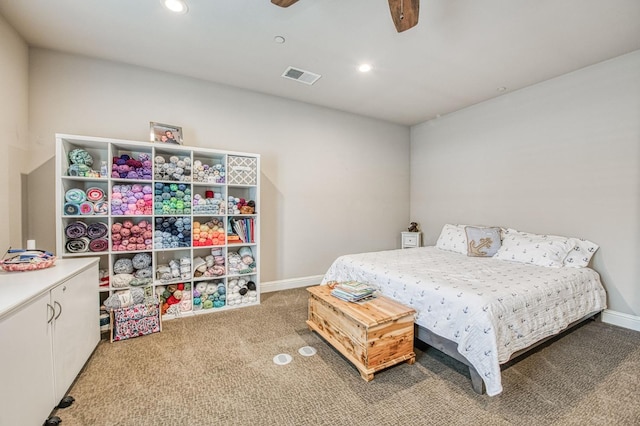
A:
60	306
53	312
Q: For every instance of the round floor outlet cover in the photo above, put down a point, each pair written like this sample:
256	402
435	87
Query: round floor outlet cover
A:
307	351
282	359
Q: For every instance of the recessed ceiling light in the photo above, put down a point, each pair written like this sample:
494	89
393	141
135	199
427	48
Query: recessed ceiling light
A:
364	68
177	6
279	39
501	89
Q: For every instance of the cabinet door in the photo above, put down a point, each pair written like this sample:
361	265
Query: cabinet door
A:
76	328
26	388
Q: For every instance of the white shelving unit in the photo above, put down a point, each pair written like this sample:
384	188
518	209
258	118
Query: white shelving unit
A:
158	202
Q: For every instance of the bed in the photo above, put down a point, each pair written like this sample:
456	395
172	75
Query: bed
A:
480	310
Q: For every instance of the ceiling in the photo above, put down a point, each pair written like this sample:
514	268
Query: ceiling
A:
459	54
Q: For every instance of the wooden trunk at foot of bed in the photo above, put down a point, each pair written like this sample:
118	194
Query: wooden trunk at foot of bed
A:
373	336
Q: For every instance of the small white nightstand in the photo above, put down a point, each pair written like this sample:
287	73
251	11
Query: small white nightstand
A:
411	239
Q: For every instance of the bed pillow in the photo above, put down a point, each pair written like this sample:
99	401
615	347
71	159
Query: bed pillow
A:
452	238
481	241
541	250
580	255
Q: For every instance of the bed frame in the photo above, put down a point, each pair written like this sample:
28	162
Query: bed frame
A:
450	348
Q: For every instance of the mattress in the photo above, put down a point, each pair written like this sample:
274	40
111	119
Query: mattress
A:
491	308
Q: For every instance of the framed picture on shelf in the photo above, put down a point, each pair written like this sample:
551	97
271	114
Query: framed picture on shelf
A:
165	133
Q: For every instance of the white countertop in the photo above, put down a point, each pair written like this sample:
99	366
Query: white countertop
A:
16	288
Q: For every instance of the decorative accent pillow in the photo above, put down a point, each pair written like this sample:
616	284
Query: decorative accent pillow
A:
452	238
541	250
580	255
482	242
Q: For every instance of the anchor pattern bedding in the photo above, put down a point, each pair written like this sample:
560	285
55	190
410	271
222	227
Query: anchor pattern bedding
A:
491	308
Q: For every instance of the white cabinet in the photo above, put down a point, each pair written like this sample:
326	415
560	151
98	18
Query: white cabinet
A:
48	330
411	239
27	389
191	212
76	331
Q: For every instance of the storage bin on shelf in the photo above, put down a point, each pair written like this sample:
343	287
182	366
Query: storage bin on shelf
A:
242	170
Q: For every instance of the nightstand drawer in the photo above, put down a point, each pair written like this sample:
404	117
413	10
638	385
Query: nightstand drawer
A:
410	239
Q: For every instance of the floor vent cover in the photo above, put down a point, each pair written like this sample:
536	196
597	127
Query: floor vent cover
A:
307	351
306	77
282	359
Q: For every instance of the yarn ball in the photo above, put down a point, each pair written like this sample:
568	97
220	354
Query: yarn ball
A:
123	266
140	282
141	260
121	280
143	273
80	156
125	167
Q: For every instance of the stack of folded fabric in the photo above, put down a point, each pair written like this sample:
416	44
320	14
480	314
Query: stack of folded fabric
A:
352	291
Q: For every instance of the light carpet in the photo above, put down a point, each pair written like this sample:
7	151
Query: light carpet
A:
218	369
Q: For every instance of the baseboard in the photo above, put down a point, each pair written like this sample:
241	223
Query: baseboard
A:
269	286
621	320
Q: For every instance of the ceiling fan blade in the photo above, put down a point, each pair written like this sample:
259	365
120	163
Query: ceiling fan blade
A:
283	3
404	13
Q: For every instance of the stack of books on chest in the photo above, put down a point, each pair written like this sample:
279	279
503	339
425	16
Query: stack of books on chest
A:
352	291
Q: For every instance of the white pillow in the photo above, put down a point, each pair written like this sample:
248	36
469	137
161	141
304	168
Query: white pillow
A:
453	238
580	255
541	250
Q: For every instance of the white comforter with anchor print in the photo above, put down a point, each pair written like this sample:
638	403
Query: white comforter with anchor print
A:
491	308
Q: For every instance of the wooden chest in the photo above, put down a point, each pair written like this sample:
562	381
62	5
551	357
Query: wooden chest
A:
373	335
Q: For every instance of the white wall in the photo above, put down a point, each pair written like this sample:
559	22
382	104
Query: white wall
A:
332	182
561	157
14	89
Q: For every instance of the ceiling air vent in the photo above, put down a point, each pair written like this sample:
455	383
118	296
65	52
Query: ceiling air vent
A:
302	76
